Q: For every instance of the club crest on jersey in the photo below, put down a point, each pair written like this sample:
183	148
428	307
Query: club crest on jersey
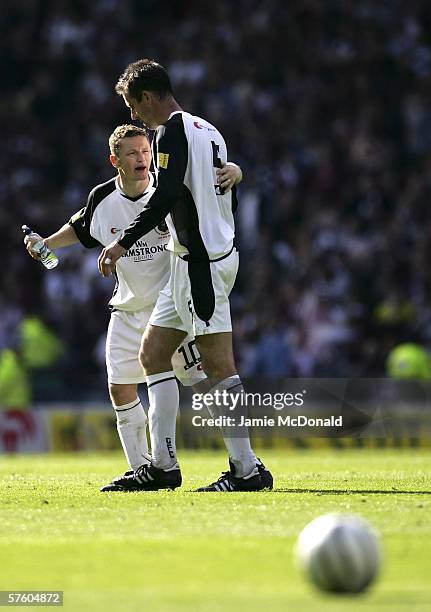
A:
163	160
162	229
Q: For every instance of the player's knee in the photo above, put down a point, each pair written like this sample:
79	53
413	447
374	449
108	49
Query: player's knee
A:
122	394
218	369
218	365
154	358
144	357
217	356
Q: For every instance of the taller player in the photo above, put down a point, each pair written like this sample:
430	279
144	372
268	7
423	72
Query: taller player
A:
140	276
188	151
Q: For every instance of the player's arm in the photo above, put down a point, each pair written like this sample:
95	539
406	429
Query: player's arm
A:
172	163
65	236
76	230
80	224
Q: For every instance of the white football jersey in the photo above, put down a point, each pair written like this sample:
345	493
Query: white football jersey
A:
144	270
187	151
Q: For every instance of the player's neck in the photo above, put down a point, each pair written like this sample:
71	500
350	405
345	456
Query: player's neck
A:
167	107
133	188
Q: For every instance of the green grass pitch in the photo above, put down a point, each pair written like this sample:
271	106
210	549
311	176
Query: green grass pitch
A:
183	551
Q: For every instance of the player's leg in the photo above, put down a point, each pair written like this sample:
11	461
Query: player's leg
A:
185	365
217	357
160	339
161	470
247	472
131	423
219	364
125	372
158	347
214	342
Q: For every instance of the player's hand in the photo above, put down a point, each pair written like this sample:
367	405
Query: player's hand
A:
109	257
29	242
228	176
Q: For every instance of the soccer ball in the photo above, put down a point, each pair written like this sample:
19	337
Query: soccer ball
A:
340	553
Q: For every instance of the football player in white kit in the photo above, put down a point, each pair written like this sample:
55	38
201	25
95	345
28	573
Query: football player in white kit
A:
188	152
140	276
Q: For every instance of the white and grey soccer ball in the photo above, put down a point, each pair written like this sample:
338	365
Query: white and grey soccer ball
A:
340	553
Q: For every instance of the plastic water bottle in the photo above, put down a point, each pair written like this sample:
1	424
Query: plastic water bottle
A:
47	257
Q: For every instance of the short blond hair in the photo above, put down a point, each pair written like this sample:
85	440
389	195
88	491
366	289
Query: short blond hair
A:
124	131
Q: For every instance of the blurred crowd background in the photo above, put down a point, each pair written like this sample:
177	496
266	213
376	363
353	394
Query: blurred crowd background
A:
326	107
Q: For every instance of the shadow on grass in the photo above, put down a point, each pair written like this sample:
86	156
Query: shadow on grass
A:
354	491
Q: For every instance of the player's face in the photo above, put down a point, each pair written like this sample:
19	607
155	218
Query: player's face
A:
134	158
141	110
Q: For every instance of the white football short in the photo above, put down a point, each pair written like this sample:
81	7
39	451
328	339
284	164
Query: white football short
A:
175	307
123	342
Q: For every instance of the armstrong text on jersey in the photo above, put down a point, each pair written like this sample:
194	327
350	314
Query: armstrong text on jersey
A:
142	252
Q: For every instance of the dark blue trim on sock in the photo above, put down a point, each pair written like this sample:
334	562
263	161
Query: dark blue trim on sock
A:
157	382
126	409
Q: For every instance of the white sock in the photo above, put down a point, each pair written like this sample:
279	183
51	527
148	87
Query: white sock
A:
240	452
162	415
132	429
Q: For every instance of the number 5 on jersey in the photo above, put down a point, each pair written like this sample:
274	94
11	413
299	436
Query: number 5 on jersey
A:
217	163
